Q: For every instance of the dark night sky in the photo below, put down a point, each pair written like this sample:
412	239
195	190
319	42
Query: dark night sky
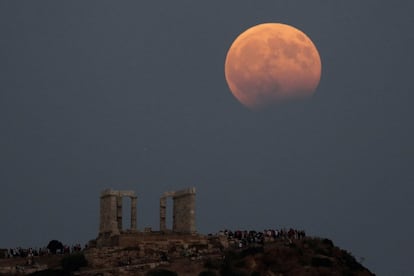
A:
132	95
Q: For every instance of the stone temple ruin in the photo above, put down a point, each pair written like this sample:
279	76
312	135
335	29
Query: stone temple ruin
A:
111	211
118	251
111	232
183	211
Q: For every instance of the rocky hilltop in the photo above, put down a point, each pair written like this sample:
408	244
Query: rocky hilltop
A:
310	256
200	255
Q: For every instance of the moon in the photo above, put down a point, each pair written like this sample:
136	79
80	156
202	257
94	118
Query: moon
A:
272	63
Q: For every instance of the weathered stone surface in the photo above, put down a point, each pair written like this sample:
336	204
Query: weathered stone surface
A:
110	229
108	214
163	213
183	210
111	212
141	248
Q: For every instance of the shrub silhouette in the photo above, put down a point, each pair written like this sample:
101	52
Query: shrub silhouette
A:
54	246
350	261
73	262
328	242
321	262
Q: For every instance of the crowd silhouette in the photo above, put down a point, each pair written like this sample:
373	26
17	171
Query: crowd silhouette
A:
43	251
236	239
243	238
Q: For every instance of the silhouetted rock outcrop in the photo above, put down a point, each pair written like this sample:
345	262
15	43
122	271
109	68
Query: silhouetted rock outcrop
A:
201	255
310	256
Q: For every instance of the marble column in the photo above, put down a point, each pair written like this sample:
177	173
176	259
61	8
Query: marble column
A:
134	213
163	213
119	212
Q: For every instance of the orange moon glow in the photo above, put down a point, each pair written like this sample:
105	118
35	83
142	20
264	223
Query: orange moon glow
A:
272	63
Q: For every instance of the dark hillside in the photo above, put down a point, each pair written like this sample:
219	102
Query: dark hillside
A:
219	256
310	256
